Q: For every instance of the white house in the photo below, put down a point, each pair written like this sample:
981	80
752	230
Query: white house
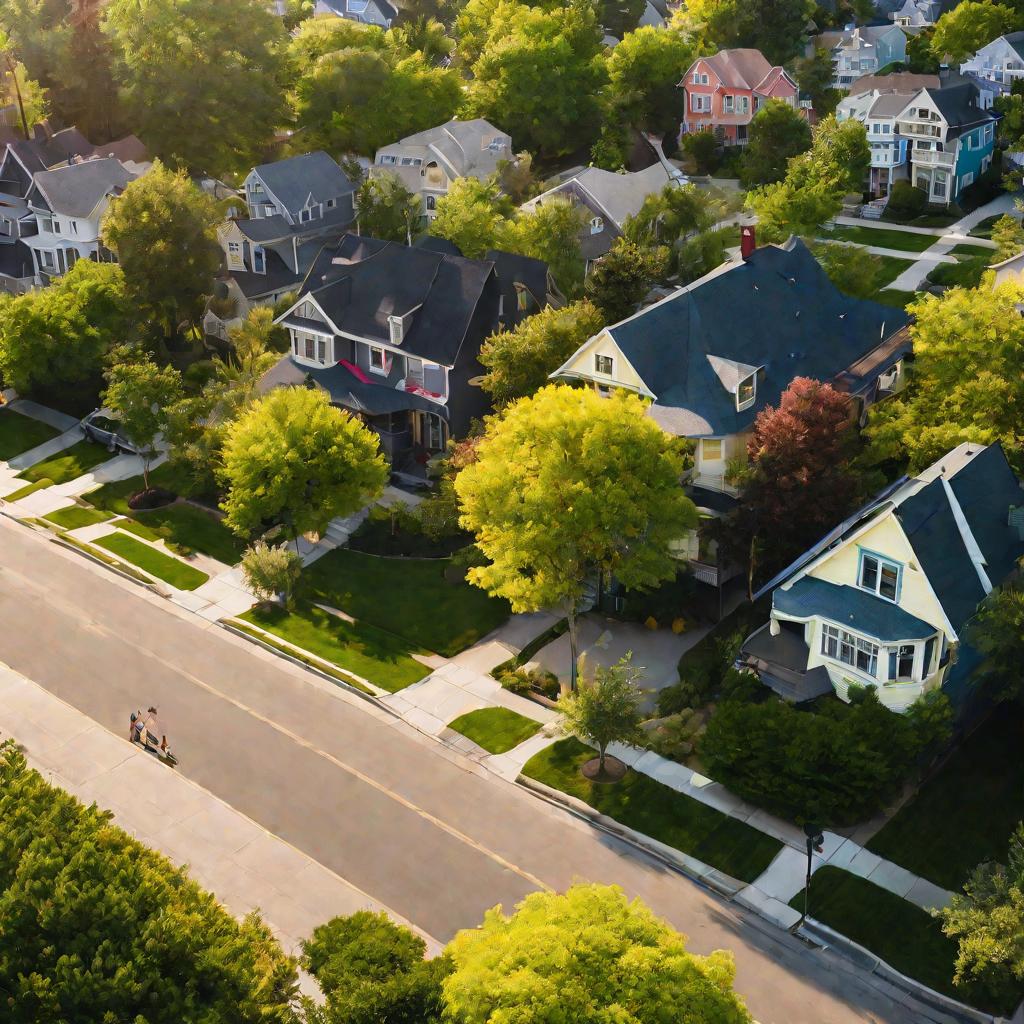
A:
884	600
429	161
996	66
878	112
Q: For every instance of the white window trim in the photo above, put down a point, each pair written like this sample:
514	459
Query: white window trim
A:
740	406
859	643
598	357
381	370
882	562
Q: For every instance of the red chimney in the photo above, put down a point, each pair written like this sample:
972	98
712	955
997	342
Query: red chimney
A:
748	241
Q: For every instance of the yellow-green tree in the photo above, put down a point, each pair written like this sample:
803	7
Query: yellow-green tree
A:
567	484
294	459
961	32
965	381
586	955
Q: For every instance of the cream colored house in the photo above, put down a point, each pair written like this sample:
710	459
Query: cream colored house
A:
884	599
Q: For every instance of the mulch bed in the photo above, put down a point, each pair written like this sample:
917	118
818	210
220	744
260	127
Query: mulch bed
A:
155	497
614	769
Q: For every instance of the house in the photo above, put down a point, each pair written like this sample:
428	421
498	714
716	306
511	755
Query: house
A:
919	13
1009	271
878	109
429	161
885	598
858	51
392	333
295	206
715	353
54	190
996	66
369	12
607	199
950	140
722	93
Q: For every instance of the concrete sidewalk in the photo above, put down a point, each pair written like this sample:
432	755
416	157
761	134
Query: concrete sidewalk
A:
242	863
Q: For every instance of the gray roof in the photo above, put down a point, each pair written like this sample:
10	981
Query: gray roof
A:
959	107
361	281
1016	41
276	228
777	310
76	190
888	105
861	611
461	146
900	82
293	180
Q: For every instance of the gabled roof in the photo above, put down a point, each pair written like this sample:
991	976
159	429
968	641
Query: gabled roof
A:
777	310
1015	40
294	180
513	269
462	145
361	281
958	105
902	82
77	189
741	68
356	9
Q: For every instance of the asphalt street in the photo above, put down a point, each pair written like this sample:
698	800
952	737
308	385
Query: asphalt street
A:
428	834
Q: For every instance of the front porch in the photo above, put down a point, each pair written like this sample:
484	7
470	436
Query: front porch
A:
780	662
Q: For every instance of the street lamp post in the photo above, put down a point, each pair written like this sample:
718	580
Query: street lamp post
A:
815	844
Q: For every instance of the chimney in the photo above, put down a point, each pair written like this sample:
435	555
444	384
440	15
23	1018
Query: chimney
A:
748	241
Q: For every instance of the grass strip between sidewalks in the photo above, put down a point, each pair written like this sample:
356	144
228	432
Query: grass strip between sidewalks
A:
20	434
156	563
497	730
68	464
650	807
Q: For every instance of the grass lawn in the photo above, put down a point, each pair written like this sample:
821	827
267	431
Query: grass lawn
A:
895	297
885	238
114	496
966	812
892	267
983	229
903	935
156	563
68	464
75	516
973	250
495	729
20	433
966	273
406	596
379	657
659	812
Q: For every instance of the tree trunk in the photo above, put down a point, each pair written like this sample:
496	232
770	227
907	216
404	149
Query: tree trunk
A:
145	471
573	646
750	567
12	67
600	759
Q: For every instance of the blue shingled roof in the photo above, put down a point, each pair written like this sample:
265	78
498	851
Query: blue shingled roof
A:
777	310
847	606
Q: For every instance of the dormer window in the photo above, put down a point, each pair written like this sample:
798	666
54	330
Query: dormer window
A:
596	225
746	392
879	575
396	329
604	365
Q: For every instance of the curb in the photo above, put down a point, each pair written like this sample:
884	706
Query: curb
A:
152	587
694	869
819	934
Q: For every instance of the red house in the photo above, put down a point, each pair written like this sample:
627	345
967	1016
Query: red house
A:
722	93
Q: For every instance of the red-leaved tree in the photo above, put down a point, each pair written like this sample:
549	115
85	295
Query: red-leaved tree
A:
799	481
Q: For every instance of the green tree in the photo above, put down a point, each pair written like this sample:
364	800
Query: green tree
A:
815	183
292	458
1008	235
586	955
851	268
965	29
775	27
606	709
814	75
988	919
519	361
164	232
471	215
318	37
965	384
202	79
546	502
296	12
357	100
57	339
98	927
422	35
372	971
139	392
997	632
28	95
386	209
777	133
527	49
702	148
257	335
620	17
551	233
623	276
271	571
920	59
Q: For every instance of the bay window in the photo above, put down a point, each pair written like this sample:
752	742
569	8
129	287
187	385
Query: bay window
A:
849	649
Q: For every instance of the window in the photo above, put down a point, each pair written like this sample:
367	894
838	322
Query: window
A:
431	202
435	432
407	161
711	449
880	575
742	104
331	203
47	260
968	179
269	209
259	261
73	227
321	350
378	360
700	104
387	158
308	350
901	663
256	188
699	79
851	650
603	364
45	223
596	225
727	104
746	392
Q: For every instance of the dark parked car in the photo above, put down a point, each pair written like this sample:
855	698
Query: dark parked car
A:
104	428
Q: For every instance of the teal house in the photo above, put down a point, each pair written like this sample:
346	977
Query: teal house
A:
950	138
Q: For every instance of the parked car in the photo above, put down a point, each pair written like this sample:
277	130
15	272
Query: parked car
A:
103	427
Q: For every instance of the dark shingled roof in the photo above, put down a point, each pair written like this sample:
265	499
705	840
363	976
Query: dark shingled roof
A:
513	269
361	281
346	390
958	105
292	180
777	310
862	612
